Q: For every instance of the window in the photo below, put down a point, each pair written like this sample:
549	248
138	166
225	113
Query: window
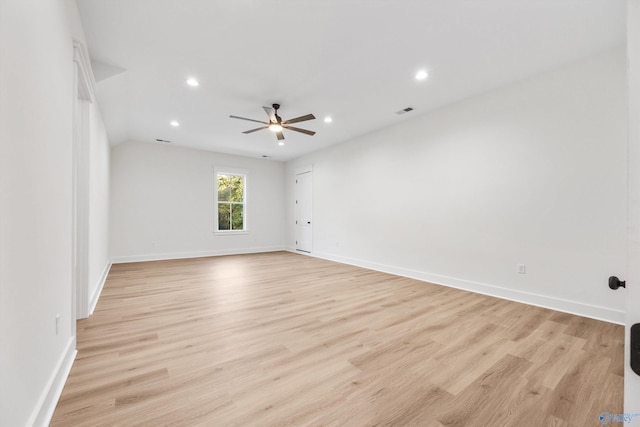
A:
231	202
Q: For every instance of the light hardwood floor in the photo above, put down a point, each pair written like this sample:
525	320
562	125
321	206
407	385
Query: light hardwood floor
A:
284	339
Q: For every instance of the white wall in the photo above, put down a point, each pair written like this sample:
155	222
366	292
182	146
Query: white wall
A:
36	78
162	203
36	217
534	173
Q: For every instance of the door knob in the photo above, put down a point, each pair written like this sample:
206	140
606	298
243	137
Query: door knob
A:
615	283
635	348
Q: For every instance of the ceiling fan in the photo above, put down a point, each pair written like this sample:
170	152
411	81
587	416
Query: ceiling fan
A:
276	124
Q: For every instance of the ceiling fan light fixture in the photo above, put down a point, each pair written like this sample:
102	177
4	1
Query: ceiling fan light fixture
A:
276	124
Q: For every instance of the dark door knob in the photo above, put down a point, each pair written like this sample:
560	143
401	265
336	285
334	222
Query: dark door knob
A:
615	283
634	339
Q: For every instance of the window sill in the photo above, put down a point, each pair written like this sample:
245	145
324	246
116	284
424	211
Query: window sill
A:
230	233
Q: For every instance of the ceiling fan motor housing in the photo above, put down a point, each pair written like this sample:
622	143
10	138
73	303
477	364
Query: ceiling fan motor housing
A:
275	114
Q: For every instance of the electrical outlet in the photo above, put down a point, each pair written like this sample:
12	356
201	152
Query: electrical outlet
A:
522	269
57	323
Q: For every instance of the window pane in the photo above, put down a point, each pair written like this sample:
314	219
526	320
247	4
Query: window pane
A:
237	217
237	188
231	201
224	188
224	216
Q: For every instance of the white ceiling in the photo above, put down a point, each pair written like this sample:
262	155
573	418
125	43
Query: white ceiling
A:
351	59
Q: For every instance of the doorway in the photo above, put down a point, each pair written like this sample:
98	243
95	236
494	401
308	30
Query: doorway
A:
304	226
80	180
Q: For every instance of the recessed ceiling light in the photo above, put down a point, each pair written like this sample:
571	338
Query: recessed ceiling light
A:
174	123
421	75
281	143
328	119
192	82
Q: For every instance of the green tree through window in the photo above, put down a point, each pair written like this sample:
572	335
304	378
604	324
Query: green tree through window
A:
231	202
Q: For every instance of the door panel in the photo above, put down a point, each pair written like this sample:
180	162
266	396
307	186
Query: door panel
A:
304	230
631	379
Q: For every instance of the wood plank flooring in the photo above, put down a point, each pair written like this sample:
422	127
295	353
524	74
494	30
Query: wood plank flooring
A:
281	339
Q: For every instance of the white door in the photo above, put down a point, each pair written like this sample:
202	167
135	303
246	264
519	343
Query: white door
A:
303	212
631	379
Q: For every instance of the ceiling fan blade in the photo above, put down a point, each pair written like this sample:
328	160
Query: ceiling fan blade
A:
249	120
280	136
271	113
308	132
300	119
256	129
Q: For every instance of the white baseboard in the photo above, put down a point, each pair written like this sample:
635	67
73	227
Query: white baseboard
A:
49	399
558	304
194	254
93	301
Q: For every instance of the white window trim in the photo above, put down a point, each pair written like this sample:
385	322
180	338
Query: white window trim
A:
231	171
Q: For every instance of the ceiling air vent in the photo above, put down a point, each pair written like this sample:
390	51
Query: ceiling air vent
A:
404	110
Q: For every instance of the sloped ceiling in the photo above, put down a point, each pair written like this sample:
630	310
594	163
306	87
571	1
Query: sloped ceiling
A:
353	60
